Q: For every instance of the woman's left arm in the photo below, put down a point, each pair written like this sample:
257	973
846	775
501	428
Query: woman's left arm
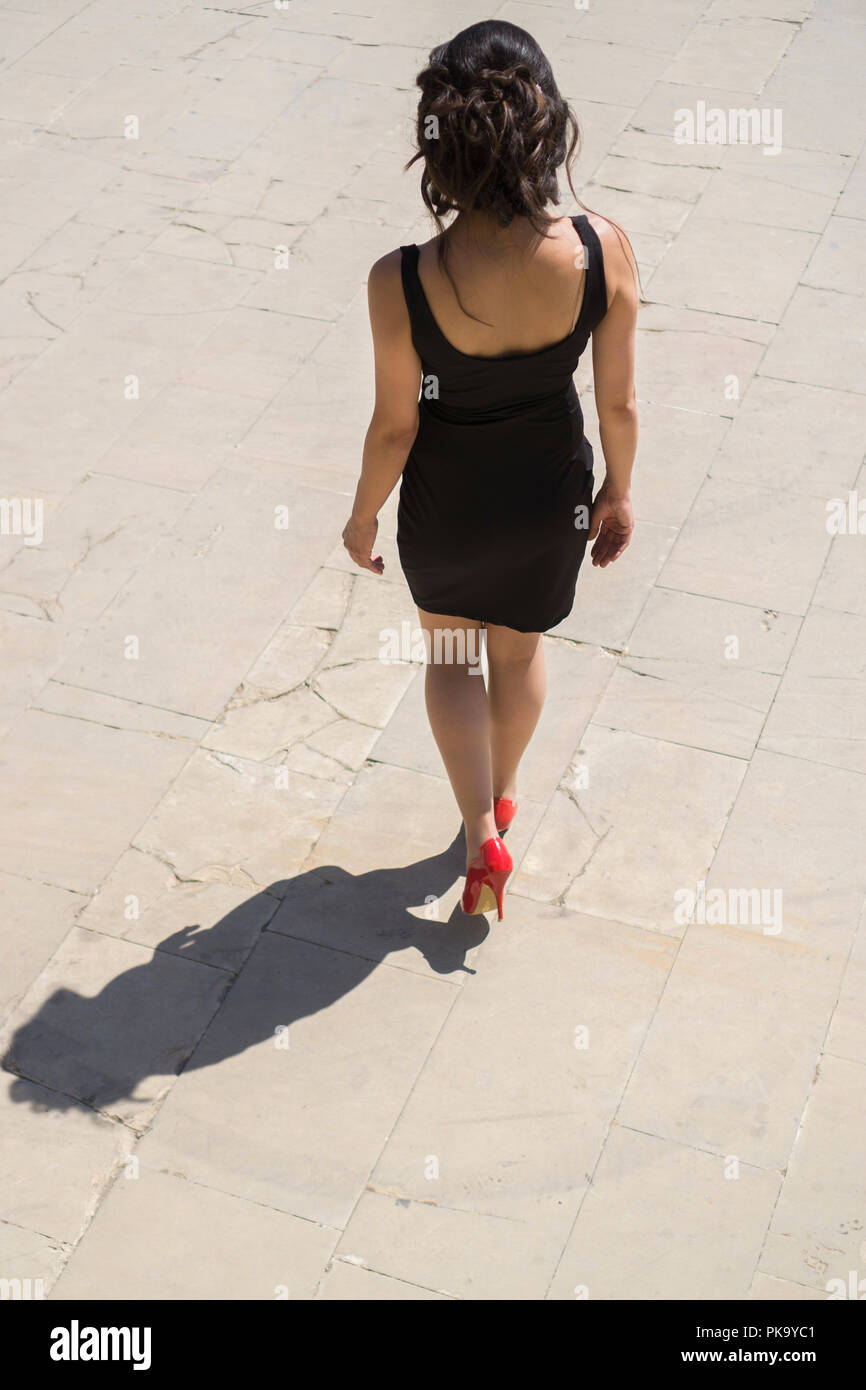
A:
394	424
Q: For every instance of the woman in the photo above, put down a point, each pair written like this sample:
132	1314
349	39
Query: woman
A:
488	319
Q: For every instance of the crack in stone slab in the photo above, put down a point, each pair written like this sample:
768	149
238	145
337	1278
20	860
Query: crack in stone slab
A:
228	760
402	1200
235	876
222	37
29	299
41	604
13	1068
356	1262
240	700
572	796
600	837
109	724
666	679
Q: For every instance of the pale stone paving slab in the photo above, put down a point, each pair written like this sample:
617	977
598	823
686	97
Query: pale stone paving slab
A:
847	1033
425	1244
657	113
731	1052
212	1245
796	828
253	351
142	900
262	730
209	825
816	1234
315	423
56	697
818	712
510	1112
661	32
344	742
57	1161
839	259
853	200
797	438
795	189
346	1282
88	813
179	440
820	341
36	919
768	1290
101	532
759	526
32	650
824	48
379	822
843	580
29	1255
321	276
755	269
237	571
663	1221
615	73
736	52
656	181
663	802
84	375
699	671
690	366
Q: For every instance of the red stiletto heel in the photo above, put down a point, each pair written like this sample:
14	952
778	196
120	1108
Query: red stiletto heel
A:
486	877
503	812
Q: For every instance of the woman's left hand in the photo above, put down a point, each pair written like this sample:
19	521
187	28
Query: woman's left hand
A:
612	522
358	538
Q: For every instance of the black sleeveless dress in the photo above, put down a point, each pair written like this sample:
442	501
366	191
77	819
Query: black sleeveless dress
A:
496	491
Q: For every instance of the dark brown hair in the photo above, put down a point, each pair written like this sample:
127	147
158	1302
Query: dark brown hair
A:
492	130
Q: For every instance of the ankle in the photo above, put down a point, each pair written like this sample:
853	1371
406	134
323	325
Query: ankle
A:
482	829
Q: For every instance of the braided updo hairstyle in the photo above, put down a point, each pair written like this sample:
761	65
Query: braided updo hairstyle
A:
492	130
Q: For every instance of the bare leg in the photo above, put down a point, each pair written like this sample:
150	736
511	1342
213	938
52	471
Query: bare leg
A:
456	700
516	690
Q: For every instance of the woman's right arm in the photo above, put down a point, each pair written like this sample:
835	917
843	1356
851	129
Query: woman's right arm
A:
394	425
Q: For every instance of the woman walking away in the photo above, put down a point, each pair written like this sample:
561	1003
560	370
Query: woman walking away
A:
488	320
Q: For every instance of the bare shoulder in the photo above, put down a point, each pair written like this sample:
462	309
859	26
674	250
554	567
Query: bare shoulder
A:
619	261
613	244
386	272
385	295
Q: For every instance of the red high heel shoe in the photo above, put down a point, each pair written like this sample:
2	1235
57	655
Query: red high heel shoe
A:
485	878
503	812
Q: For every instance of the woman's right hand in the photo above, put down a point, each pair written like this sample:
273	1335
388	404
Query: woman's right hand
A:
613	523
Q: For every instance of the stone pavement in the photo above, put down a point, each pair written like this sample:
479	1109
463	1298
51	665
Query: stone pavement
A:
252	1047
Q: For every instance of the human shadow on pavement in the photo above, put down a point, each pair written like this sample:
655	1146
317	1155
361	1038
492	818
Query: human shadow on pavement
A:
160	1018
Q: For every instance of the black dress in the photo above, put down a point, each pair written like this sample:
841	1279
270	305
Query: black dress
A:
496	490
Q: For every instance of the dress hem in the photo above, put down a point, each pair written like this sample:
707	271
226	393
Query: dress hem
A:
473	618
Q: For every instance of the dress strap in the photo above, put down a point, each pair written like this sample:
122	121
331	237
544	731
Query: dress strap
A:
595	290
413	291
